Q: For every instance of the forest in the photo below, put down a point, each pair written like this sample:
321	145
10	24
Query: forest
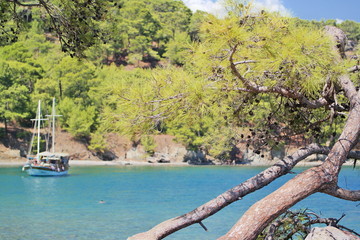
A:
145	69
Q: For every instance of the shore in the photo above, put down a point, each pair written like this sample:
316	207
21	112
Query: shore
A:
21	161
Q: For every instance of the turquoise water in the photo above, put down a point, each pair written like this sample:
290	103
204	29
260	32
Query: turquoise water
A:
136	198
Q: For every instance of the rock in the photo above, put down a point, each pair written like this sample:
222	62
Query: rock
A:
329	233
163	161
339	37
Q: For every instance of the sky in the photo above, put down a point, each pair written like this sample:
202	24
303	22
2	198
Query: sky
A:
304	9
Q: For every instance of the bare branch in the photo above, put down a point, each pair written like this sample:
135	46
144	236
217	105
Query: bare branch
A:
354	155
354	69
245	61
343	193
350	90
180	95
236	89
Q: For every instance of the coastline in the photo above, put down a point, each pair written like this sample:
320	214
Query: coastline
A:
20	162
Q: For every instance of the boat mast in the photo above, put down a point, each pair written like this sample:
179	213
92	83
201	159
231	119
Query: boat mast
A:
38	120
37	127
53	115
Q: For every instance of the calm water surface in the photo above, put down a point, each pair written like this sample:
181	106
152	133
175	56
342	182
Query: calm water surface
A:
137	198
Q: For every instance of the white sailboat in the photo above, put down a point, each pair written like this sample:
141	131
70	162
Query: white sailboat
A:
48	163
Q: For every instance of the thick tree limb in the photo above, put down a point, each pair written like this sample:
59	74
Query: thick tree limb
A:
350	90
354	69
343	193
262	179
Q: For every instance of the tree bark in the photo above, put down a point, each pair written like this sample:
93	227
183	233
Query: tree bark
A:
317	179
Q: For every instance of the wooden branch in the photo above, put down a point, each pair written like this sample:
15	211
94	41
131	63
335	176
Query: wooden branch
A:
354	69
354	155
245	61
262	179
343	193
235	89
350	90
180	95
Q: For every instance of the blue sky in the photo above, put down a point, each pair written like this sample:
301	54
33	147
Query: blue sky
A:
305	9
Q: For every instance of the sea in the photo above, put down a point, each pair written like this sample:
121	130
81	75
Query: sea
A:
115	202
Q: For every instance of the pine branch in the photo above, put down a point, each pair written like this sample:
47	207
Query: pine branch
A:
253	87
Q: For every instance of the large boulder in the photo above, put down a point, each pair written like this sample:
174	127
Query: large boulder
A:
329	233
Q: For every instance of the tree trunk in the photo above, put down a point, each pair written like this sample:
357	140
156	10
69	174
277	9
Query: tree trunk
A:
6	133
5	127
316	179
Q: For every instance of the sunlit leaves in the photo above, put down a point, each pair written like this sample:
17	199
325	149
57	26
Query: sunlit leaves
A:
286	55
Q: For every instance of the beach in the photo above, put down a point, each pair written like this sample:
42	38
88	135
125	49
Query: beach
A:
21	161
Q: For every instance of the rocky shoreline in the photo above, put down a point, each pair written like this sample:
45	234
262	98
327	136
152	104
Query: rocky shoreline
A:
167	152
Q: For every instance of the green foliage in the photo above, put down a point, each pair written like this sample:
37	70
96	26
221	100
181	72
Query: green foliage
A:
197	19
23	135
352	29
9	26
77	119
296	225
269	40
2	133
148	143
76	23
34	145
98	142
142	29
16	81
290	225
178	48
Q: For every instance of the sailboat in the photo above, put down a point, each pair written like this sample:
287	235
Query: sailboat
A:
48	163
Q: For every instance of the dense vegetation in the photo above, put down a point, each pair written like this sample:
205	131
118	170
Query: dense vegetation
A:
154	68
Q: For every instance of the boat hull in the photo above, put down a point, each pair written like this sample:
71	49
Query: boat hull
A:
43	171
